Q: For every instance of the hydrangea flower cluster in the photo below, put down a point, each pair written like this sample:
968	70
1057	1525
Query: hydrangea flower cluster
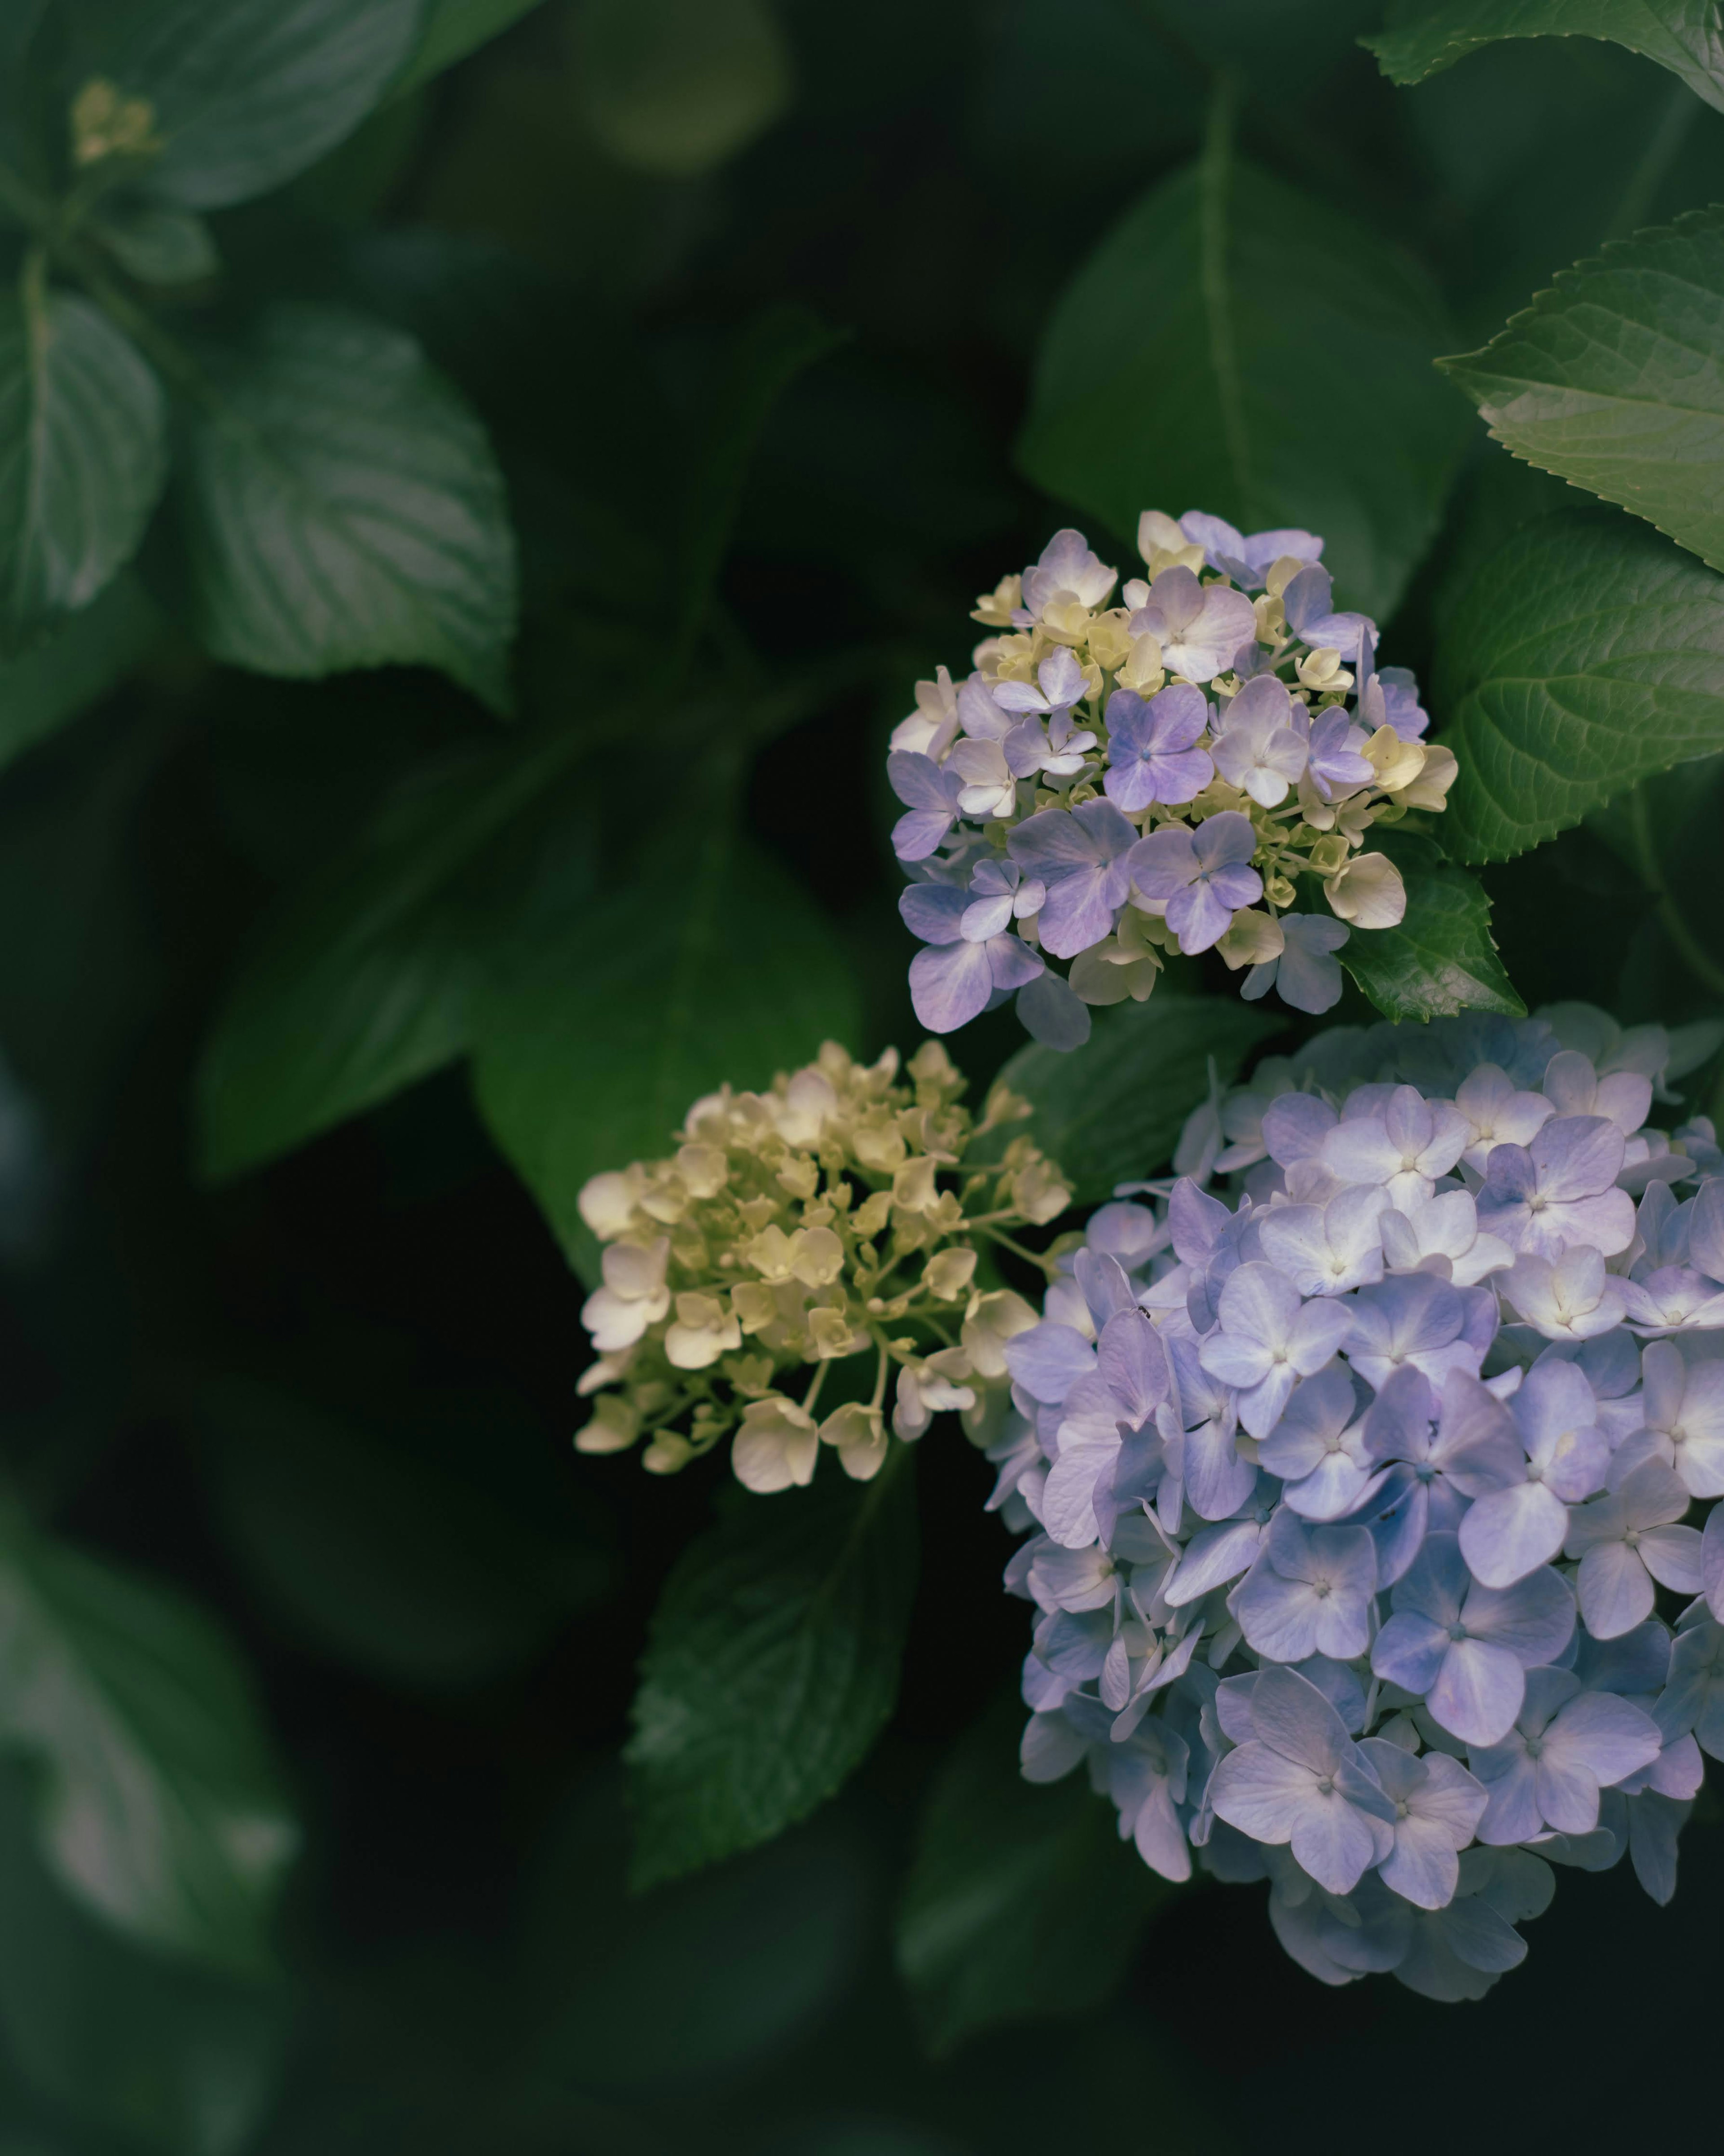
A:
1367	1494
839	1215
1114	781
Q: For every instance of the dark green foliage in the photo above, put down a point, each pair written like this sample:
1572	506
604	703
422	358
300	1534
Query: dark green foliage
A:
1583	655
1021	1900
1114	1110
1235	347
1442	957
596	415
1426	35
1614	379
772	1664
82	457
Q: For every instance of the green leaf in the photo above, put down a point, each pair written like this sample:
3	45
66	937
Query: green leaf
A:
1683	35
391	1559
1234	347
166	2056
1614	380
771	1666
83	455
343	509
711	967
363	982
674	87
452	29
772	351
53	682
1442	957
158	246
248	92
1112	1112
1022	1901
1586	654
160	1806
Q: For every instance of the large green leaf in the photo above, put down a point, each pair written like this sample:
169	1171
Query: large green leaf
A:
160	1806
1233	347
1585	653
343	509
1442	957
1112	1112
248	92
53	681
709	967
772	1664
1022	1901
384	1555
1685	36
453	29
83	455
364	981
172	2058
1614	379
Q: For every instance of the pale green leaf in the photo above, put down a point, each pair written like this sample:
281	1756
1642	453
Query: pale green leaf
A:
83	455
1685	36
1232	345
160	1806
772	1664
246	93
1585	653
1614	379
343	508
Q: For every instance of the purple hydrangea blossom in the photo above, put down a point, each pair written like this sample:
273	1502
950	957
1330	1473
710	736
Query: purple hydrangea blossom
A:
1367	1574
1201	877
1150	750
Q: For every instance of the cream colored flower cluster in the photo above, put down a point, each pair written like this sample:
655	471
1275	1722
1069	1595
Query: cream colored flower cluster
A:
833	1225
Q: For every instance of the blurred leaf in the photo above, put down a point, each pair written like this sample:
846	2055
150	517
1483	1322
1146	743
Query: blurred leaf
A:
158	246
364	981
674	87
83	455
53	682
1585	653
702	1981
773	349
709	966
1022	1901
1112	1112
160	1806
772	1664
1682	35
1442	957
1234	347
248	92
453	29
385	1556
1615	379
343	509
166	2056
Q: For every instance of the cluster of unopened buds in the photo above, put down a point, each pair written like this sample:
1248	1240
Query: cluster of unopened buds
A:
1112	783
1374	1550
830	1227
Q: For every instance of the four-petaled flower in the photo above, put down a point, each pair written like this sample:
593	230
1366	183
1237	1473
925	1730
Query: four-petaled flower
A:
1201	877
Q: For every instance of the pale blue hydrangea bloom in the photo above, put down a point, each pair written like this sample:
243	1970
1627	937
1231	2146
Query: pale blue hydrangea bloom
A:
1350	1574
1150	763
